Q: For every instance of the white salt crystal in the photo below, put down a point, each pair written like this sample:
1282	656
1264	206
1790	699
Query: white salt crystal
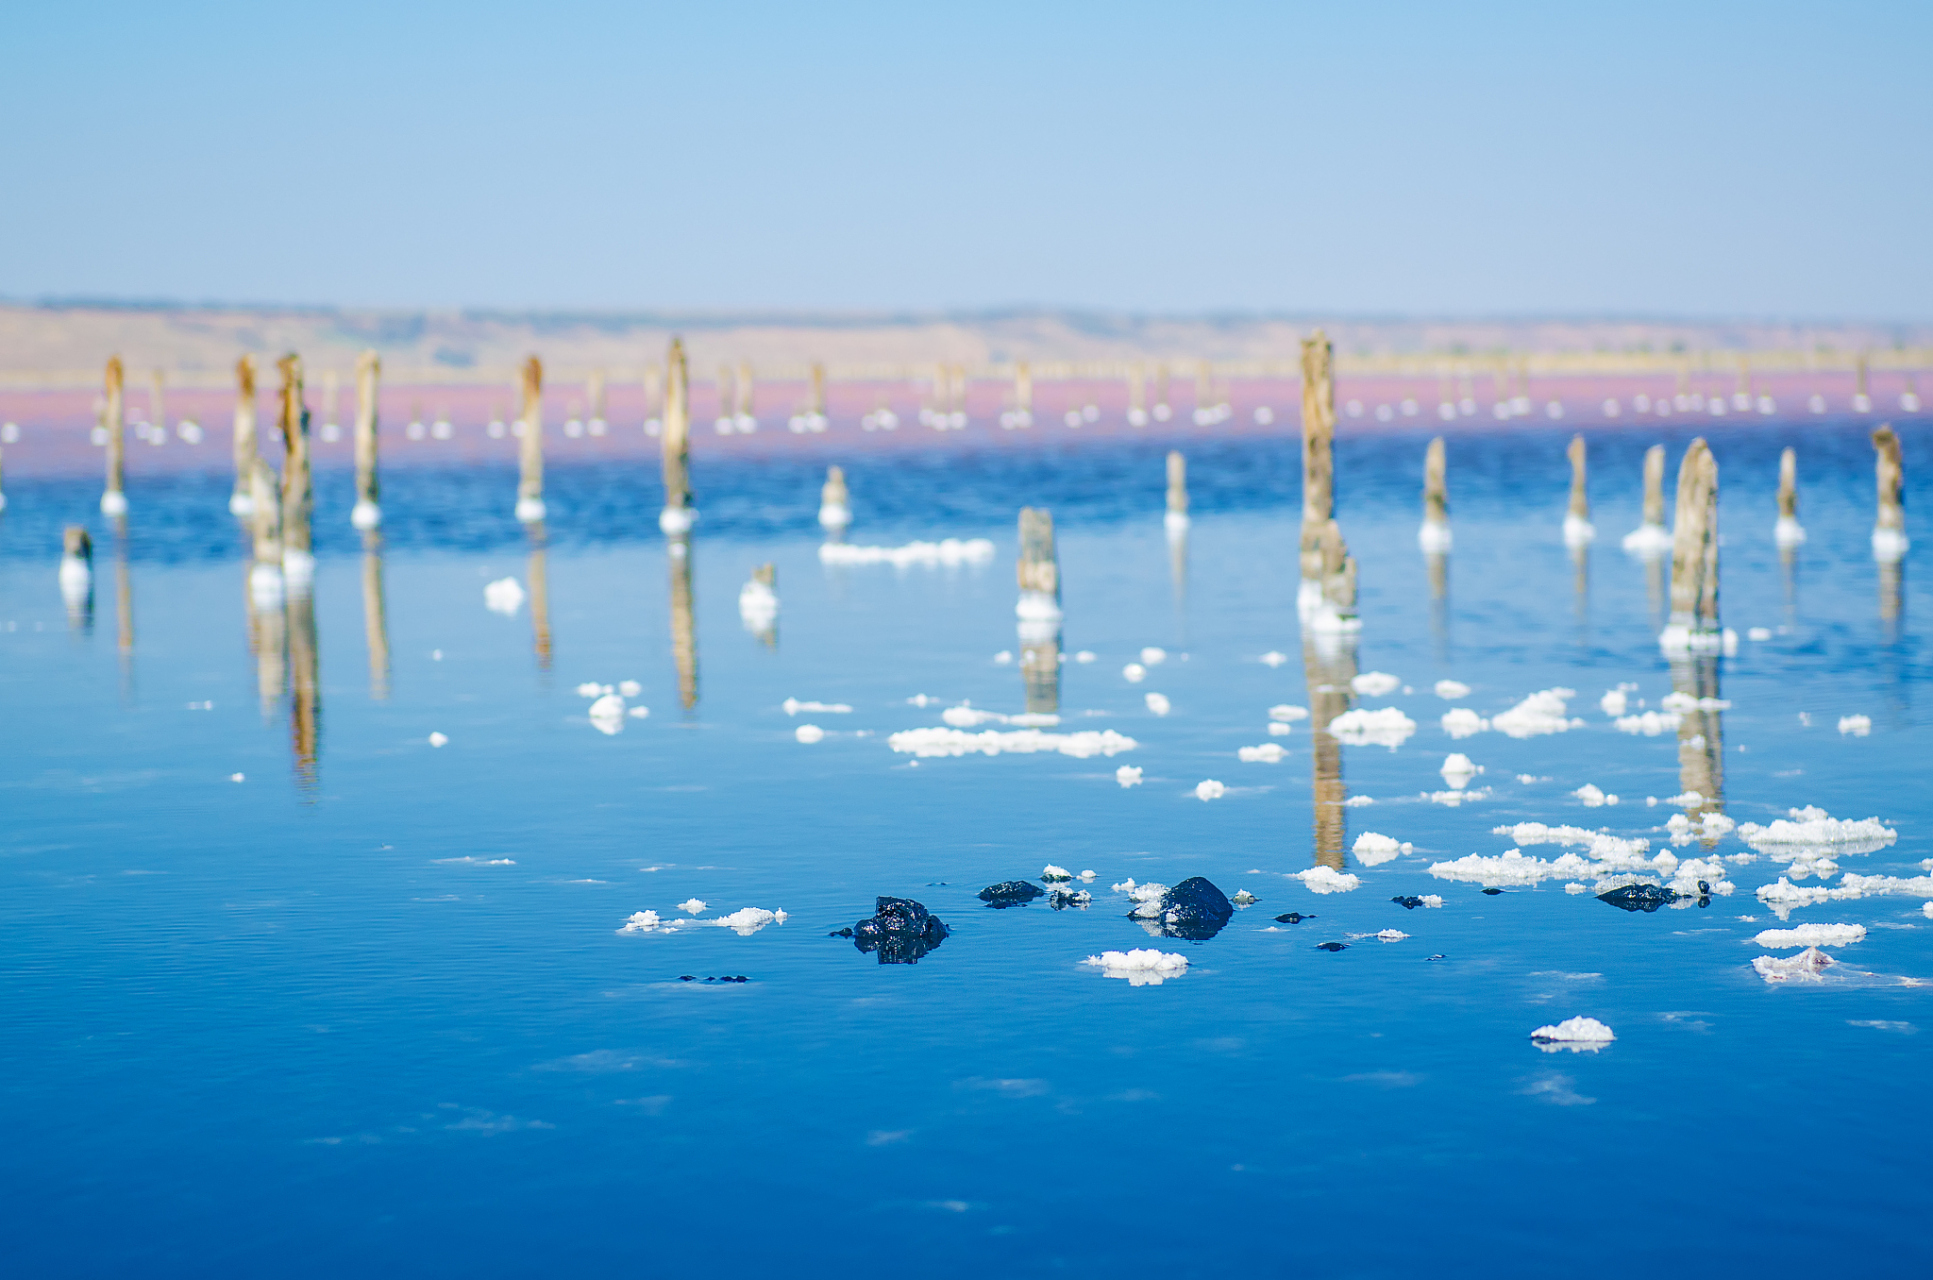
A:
1267	753
1128	775
1451	690
1374	684
1812	935
1209	789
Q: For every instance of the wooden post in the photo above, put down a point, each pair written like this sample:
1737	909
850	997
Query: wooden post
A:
653	399
298	486
1434	536
1161	409
1177	518
724	422
816	415
1861	402
1694	555
1788	532
1654	486
114	501
530	454
1578	529
1204	393
368	512
595	394
1889	531
1318	453
835	505
747	414
677	515
77	576
238	499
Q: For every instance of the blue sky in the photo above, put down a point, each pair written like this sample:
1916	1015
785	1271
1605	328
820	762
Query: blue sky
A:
1656	159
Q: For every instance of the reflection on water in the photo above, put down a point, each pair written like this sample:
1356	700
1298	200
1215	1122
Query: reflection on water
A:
305	703
1701	733
267	637
539	596
684	631
375	618
1328	665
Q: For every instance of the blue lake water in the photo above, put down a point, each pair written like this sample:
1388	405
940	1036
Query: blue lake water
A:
368	1010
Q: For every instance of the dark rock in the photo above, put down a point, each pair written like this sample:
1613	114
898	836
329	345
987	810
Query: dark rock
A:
1438	956
1332	946
687	977
1194	909
840	933
1491	893
1292	917
1062	899
1009	893
1639	897
1408	902
900	930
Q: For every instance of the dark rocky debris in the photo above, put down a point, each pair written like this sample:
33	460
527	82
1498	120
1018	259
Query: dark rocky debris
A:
900	930
1063	899
1009	893
1639	897
1292	917
1332	946
1409	902
686	977
1491	893
1194	909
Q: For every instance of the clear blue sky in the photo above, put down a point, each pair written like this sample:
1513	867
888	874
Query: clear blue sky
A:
1760	159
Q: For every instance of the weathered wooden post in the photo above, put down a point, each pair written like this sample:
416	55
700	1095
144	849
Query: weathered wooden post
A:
1889	530
835	505
1327	596
368	512
245	448
1578	529
375	616
1788	532
676	518
1176	520
1694	556
1434	536
530	453
114	501
298	485
1651	539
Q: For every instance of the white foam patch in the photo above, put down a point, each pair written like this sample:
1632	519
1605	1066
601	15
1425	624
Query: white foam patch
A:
1813	935
1541	713
1373	849
1128	775
1267	753
793	706
1327	880
1574	1034
747	921
1511	867
1209	789
1451	690
993	742
947	551
1461	722
1383	727
1145	967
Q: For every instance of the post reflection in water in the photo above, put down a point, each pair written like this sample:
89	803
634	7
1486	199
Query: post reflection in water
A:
1438	563
1789	580
539	597
1178	564
684	631
123	592
267	640
305	706
1891	576
1701	735
1328	665
375	617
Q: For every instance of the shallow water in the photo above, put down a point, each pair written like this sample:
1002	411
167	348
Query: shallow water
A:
369	1008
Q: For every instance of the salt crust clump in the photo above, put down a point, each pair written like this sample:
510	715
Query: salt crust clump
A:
1451	690
1209	789
1374	684
1807	966
1812	829
1855	726
1456	796
1457	770
505	596
1650	724
1593	797
809	733
1510	867
792	706
948	551
1285	713
1052	872
1372	849
1267	753
1675	701
1574	1034
1142	968
992	742
1383	727
1709	826
968	716
1542	712
749	920
1812	935
1327	880
1461	722
1128	775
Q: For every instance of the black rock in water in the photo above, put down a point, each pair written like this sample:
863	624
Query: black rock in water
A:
1194	909
900	930
840	933
1491	893
1009	893
1409	902
1639	897
1332	946
1292	917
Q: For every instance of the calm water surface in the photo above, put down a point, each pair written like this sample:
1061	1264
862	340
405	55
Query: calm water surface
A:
367	1010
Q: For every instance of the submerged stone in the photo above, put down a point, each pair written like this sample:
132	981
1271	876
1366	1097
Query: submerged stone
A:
1062	899
1194	909
1332	946
1409	902
1009	893
900	930
1639	897
1491	893
1292	917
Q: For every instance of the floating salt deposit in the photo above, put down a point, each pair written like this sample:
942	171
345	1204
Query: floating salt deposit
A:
949	551
1675	701
1374	684
1811	832
810	733
993	742
694	906
1052	872
747	921
1159	704
1457	770
1812	935
607	714
1383	727
1286	713
646	922
505	596
438	740
1593	797
1145	967
1807	966
1456	796
1327	880
1649	723
1542	712
1154	657
1209	789
1510	867
1855	726
793	706
1708	826
1389	935
1461	722
1613	703
1274	659
1574	1034
1128	775
1134	673
1451	690
1267	753
1373	849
